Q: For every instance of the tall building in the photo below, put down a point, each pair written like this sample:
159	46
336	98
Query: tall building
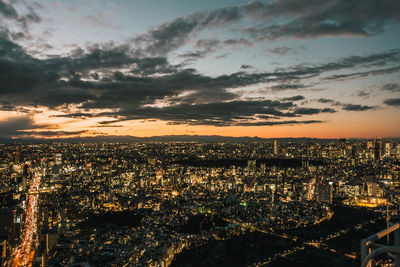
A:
305	164
263	168
17	156
388	149
251	166
160	176
324	192
276	147
370	144
377	149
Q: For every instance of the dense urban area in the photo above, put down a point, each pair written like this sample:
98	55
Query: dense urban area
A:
267	203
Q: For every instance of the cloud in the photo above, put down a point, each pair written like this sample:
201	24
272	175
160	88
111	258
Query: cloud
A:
205	46
134	86
272	123
311	111
221	56
215	113
325	100
284	50
13	126
363	94
328	110
293	98
364	74
75	115
7	10
245	66
392	102
284	86
372	60
221	114
353	107
97	20
39	134
301	19
327	18
391	87
237	42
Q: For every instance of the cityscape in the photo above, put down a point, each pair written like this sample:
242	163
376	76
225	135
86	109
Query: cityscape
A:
199	133
271	203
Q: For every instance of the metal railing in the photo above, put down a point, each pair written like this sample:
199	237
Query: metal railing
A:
370	250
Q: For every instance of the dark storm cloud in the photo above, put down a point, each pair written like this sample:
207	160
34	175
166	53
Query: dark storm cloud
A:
372	60
91	79
272	123
191	56
327	18
353	107
7	10
7	106
171	35
294	98
284	86
364	74
325	100
217	113
311	111
391	87
25	126
51	133
303	19
392	102
328	110
205	46
345	106
233	113
75	115
24	20
245	66
16	125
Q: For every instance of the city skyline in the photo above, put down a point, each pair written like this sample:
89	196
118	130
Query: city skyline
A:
271	69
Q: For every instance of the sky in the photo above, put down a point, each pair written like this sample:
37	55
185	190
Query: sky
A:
280	68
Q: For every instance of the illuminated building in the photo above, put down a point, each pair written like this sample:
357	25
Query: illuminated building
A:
251	166
276	147
58	159
263	168
388	149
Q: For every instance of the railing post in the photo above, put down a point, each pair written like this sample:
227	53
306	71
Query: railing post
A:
397	244
364	250
372	262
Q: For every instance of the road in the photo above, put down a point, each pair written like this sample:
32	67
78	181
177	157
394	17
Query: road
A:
23	255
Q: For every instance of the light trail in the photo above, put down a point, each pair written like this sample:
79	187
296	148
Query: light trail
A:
24	250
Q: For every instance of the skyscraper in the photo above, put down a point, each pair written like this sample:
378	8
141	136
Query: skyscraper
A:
276	147
377	149
324	192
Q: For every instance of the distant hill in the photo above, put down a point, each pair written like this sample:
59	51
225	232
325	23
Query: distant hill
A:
163	138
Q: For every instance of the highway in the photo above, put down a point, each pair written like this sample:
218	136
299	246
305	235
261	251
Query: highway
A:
24	253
